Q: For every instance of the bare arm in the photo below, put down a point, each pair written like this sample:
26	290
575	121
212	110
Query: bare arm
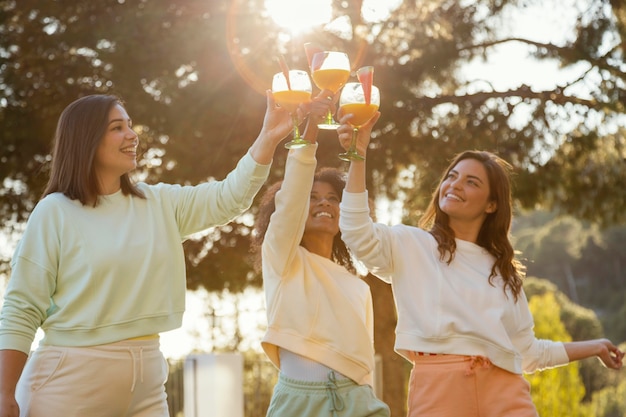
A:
318	108
608	353
11	366
276	125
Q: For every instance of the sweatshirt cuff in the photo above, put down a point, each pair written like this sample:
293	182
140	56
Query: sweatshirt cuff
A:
305	154
561	356
355	202
257	170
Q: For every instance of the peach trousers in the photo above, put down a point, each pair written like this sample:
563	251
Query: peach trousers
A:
122	379
466	386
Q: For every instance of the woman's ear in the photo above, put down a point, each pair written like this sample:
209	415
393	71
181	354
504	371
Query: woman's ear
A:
492	206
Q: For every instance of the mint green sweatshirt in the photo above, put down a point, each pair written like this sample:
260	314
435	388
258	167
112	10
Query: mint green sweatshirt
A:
95	275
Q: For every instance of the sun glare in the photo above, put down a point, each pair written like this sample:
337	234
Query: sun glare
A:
299	15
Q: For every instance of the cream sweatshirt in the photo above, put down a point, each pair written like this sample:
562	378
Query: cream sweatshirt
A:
315	307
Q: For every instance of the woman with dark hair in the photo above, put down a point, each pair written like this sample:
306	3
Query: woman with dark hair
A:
319	312
463	318
100	268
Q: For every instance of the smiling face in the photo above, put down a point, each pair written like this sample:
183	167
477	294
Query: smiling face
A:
323	210
465	194
117	152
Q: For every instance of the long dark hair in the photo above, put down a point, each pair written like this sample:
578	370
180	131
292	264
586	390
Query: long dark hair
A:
80	128
495	230
340	253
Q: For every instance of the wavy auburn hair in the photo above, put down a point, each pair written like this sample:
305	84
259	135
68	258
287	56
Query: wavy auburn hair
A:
80	129
494	232
340	253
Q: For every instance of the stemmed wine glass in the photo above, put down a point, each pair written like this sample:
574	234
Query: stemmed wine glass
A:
289	92
330	70
353	101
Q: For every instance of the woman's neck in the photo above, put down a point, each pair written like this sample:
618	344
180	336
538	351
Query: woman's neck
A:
466	231
319	244
109	186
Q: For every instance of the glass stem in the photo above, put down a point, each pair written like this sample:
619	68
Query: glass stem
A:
296	129
352	149
329	118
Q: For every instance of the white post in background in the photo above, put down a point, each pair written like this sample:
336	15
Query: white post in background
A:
378	376
213	384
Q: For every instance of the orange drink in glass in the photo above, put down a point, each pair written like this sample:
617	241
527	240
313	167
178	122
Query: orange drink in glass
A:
330	70
289	94
353	101
361	112
291	99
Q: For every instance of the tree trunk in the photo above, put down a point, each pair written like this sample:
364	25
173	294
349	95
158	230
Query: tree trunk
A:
395	368
571	282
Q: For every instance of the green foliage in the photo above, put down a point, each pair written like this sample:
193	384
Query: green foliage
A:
559	391
586	263
579	322
610	402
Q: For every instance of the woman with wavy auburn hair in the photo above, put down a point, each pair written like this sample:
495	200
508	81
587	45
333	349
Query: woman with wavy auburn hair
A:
463	318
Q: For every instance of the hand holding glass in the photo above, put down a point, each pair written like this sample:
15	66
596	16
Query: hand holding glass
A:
352	101
290	95
330	71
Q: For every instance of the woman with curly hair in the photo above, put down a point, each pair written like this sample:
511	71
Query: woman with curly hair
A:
319	312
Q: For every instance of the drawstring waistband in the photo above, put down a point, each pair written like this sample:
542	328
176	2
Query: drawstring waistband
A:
132	354
475	361
336	403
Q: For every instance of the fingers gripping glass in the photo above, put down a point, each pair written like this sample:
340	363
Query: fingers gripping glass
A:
352	101
330	70
289	94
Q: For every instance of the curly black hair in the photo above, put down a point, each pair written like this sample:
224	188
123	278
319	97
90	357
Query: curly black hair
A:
340	252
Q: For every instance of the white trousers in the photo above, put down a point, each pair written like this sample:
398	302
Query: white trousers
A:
122	379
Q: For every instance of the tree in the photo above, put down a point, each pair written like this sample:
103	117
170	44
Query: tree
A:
191	73
587	263
186	69
395	368
554	249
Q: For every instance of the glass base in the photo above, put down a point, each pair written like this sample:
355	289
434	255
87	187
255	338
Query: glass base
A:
329	123
297	143
351	156
328	126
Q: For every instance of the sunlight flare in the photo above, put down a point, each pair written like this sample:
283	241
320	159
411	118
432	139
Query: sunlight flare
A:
299	15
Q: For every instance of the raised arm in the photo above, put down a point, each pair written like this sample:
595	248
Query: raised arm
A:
276	126
318	108
356	174
286	227
370	242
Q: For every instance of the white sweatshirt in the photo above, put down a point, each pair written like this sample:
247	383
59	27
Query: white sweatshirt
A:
443	308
